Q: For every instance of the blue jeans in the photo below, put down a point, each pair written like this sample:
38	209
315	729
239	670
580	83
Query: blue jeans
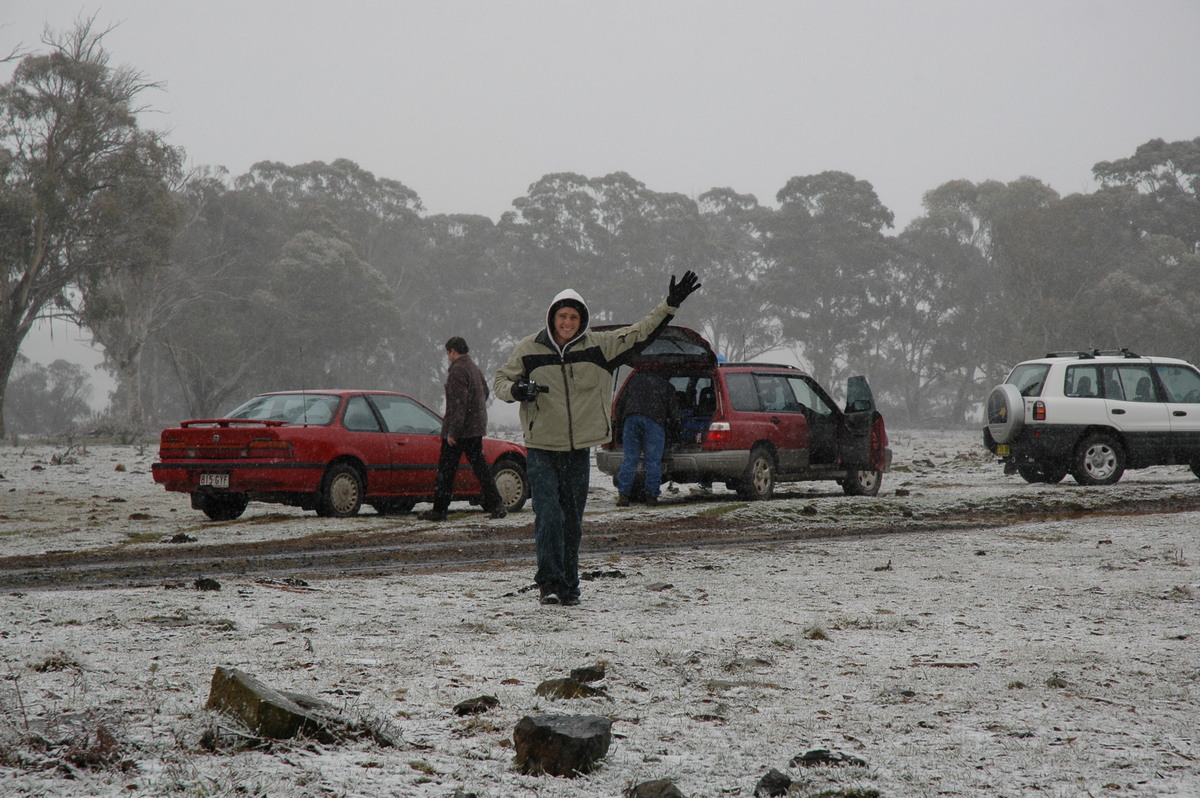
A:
558	483
642	438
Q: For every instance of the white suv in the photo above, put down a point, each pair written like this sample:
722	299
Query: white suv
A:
1094	414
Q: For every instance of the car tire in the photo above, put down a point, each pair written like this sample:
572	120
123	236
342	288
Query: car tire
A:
1099	460
1196	468
1040	473
758	481
1005	410
221	506
862	482
341	492
512	483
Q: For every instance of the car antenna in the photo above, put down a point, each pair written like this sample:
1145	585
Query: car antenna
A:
303	390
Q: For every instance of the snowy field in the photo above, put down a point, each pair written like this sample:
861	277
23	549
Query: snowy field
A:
1059	658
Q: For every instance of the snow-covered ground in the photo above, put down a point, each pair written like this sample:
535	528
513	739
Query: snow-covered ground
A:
1059	658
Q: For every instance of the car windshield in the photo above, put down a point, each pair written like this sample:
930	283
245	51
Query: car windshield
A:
294	408
1029	378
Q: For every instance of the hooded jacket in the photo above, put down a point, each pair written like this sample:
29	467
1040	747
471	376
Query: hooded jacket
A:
575	413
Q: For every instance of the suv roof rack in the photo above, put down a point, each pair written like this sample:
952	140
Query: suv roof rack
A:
1094	353
761	365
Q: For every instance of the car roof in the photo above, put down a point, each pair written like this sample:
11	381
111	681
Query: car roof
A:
1102	356
330	392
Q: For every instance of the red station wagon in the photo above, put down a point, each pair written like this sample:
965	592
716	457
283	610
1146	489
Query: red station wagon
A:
330	451
751	425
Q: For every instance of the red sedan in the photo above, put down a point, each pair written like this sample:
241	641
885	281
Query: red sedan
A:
328	451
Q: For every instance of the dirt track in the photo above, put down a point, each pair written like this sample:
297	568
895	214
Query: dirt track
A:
379	545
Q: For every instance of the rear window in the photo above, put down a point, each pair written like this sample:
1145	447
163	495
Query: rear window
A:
1081	381
675	345
295	408
743	394
1029	378
1182	383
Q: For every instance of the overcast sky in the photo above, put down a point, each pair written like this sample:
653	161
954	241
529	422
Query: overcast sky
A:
469	102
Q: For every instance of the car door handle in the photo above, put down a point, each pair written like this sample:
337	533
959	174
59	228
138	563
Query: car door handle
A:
1117	411
1179	413
776	420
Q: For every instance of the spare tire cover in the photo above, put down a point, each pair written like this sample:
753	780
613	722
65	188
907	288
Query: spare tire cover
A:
1005	412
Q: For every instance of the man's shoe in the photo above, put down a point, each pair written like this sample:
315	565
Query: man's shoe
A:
651	500
550	598
622	501
432	515
499	512
571	601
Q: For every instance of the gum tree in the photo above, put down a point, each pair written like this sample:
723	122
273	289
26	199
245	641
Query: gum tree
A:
79	180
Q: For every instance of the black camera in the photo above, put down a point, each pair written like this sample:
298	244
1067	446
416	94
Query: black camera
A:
526	390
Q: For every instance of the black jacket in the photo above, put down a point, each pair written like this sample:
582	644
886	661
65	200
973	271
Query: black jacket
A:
648	394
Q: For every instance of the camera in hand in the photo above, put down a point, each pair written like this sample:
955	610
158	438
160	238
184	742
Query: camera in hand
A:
527	390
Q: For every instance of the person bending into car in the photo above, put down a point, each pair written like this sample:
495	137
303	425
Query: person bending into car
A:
646	409
463	428
563	378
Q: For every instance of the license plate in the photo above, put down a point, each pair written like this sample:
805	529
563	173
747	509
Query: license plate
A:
214	480
1002	450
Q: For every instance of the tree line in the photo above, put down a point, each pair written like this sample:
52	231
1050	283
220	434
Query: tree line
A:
203	288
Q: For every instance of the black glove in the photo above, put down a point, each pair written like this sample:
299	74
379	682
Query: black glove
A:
523	390
683	289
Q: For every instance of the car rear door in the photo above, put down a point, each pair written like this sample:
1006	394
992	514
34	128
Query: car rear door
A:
1181	384
1134	406
783	421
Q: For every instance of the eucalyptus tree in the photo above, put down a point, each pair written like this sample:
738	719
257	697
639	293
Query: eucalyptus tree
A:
827	253
81	184
610	238
1167	176
925	321
296	273
972	354
46	400
460	282
734	310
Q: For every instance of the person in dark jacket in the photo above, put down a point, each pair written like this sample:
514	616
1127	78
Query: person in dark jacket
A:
463	427
563	377
646	409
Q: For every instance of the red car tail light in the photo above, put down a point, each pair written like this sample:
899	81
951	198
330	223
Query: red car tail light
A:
262	447
174	450
1039	411
719	432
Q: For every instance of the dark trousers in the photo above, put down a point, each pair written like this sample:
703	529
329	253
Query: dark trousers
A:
448	462
558	482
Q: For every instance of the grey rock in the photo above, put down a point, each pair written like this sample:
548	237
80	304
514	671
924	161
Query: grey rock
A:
772	785
473	706
823	756
659	788
568	688
268	712
561	745
589	673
